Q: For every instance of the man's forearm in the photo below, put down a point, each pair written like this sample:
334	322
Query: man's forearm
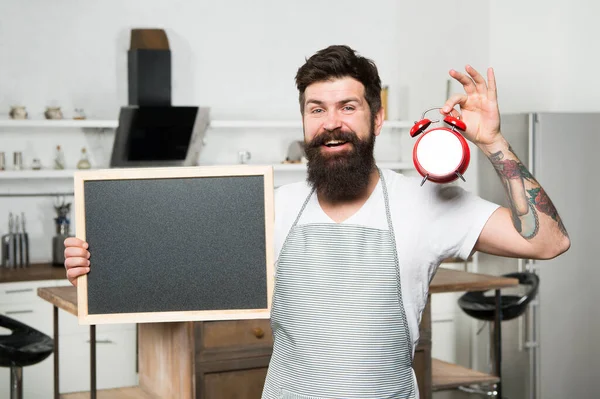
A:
528	200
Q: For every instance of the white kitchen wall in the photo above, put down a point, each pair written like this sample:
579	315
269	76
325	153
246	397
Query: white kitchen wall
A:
546	54
237	57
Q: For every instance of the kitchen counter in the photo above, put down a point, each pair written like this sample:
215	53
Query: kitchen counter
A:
432	374
35	272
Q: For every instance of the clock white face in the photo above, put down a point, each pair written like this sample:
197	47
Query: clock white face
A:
440	152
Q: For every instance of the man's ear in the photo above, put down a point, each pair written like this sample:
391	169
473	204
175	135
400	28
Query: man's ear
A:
379	118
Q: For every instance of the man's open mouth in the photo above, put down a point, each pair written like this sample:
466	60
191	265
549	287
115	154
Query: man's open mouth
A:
335	143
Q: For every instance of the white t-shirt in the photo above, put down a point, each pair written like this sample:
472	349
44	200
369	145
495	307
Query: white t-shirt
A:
431	223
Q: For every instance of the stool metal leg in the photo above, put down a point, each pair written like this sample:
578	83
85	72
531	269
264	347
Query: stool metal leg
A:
498	342
16	382
56	369
93	361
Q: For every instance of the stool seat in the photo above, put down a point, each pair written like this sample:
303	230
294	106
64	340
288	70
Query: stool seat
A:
476	304
25	346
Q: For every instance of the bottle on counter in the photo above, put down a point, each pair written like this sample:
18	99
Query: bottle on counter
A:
84	162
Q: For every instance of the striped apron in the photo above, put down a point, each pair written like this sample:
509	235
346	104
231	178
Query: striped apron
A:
339	325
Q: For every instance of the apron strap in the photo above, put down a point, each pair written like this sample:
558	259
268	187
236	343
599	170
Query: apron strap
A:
397	260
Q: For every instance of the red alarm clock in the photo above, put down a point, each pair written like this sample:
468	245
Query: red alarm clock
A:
441	154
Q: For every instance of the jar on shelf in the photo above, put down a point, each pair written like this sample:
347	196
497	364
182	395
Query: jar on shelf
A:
53	113
79	114
17	160
18	112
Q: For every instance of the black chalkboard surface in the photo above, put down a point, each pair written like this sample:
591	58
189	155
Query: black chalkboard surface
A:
175	244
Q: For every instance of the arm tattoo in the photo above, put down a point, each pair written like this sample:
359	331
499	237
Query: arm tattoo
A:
524	203
541	201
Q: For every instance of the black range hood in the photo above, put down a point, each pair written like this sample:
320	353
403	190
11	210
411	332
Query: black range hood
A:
152	132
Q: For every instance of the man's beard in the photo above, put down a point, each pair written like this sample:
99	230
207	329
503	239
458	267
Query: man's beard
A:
344	175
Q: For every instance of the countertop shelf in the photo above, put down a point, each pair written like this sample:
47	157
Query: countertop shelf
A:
266	124
445	280
68	173
290	167
37	174
62	123
213	124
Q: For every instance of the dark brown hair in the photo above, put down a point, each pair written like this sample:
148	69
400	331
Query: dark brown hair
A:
339	61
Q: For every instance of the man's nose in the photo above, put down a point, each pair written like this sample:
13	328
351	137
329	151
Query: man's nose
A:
332	122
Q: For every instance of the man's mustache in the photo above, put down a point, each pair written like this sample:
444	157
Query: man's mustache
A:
336	134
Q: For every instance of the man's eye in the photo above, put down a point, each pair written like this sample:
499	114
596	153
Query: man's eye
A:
348	108
316	110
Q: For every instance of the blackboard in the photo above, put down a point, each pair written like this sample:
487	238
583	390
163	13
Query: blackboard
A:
175	243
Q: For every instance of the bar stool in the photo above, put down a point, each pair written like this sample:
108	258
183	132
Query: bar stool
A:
25	346
476	304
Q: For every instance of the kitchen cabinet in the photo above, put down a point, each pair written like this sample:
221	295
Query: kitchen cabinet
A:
19	301
115	357
116	343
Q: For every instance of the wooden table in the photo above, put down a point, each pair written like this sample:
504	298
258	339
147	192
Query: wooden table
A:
432	374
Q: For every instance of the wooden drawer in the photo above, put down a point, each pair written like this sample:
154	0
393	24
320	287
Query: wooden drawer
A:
239	384
235	378
234	334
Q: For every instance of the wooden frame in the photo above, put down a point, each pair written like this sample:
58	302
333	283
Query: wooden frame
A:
80	177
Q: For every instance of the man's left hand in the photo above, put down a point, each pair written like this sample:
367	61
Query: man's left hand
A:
478	106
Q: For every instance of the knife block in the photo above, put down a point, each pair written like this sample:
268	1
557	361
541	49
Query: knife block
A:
15	250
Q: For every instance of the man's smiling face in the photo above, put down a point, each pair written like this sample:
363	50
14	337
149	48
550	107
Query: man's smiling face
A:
339	137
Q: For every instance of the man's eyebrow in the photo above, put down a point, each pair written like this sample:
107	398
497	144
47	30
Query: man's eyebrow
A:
313	101
344	101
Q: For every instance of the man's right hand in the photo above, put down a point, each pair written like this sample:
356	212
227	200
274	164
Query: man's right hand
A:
77	258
